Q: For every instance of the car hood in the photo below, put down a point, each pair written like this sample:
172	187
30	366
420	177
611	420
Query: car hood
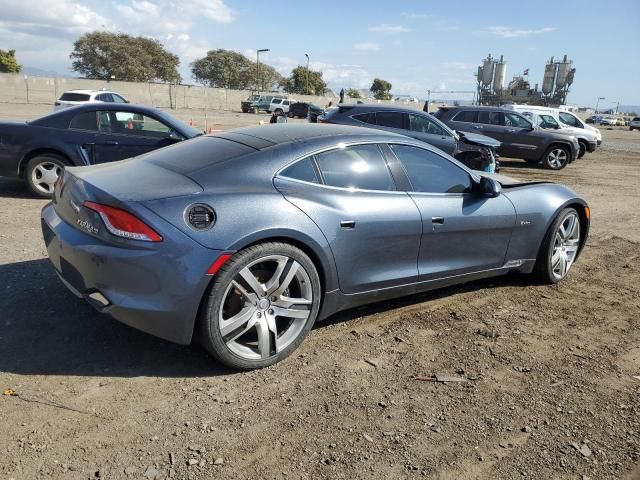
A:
509	182
477	139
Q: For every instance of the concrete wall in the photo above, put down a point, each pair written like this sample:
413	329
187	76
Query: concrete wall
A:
46	90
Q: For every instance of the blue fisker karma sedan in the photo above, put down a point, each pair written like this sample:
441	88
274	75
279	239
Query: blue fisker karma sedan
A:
244	239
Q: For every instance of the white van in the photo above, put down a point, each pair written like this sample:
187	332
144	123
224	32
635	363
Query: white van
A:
588	137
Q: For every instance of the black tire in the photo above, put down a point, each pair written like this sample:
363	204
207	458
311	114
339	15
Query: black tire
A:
290	115
582	150
278	111
221	296
38	168
543	269
556	157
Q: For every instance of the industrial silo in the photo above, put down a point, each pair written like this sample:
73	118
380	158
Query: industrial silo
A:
563	72
549	77
500	74
487	71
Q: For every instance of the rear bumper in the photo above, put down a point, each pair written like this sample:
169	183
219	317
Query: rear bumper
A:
156	288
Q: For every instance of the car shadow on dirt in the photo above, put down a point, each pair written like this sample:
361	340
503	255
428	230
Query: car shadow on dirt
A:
14	188
46	330
520	164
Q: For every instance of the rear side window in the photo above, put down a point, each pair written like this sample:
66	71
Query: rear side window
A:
391	119
276	101
366	117
469	116
85	121
197	153
302	170
431	173
361	166
75	97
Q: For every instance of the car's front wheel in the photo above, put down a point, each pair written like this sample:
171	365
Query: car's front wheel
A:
42	172
560	247
261	306
556	157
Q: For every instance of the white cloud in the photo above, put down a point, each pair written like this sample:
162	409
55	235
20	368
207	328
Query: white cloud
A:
510	32
389	28
365	47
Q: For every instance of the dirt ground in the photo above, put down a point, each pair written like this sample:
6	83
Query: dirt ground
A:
552	374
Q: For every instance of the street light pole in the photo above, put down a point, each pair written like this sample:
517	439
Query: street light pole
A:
307	55
258	66
599	98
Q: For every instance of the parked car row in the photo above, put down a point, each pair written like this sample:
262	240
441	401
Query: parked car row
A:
608	120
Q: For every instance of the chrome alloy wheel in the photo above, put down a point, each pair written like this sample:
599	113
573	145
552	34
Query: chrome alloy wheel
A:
44	176
565	246
557	158
265	307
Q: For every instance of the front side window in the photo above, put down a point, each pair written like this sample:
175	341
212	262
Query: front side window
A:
129	123
515	120
391	119
428	172
302	170
570	120
104	97
420	123
118	98
469	116
276	101
360	167
547	121
491	118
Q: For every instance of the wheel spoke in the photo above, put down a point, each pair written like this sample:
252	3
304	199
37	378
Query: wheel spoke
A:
555	258
290	312
287	302
562	265
252	281
293	269
249	296
264	338
274	281
239	320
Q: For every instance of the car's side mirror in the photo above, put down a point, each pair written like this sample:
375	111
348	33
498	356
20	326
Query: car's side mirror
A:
489	187
175	136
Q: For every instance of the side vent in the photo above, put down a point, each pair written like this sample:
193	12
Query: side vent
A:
200	216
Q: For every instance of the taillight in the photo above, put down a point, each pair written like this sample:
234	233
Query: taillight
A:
124	224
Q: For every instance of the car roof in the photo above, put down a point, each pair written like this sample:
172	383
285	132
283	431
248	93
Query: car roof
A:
53	118
88	91
379	107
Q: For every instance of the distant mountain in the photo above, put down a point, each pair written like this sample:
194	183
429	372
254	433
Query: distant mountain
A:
629	108
39	72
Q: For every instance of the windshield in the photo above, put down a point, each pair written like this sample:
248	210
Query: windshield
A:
186	129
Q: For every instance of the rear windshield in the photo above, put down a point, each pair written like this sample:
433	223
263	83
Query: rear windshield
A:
191	155
75	97
636	119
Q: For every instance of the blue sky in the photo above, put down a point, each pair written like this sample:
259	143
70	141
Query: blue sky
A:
416	45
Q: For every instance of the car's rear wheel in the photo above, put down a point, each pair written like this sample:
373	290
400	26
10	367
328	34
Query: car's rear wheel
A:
556	157
42	172
261	306
279	111
560	247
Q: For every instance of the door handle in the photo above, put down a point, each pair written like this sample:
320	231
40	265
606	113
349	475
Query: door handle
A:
438	220
347	224
478	127
511	130
111	142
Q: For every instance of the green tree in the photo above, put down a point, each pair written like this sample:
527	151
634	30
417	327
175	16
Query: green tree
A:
353	93
106	55
297	82
8	62
381	89
228	69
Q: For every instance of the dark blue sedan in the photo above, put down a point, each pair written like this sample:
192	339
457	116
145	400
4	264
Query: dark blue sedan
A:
38	150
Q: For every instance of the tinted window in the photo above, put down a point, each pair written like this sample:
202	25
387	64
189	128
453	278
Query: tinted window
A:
185	157
75	97
569	119
84	121
302	170
547	121
366	117
431	173
515	120
361	166
490	118
129	123
420	123
104	97
276	101
118	98
470	116
390	119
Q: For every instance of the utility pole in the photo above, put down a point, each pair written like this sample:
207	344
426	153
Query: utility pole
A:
599	98
258	52
307	55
